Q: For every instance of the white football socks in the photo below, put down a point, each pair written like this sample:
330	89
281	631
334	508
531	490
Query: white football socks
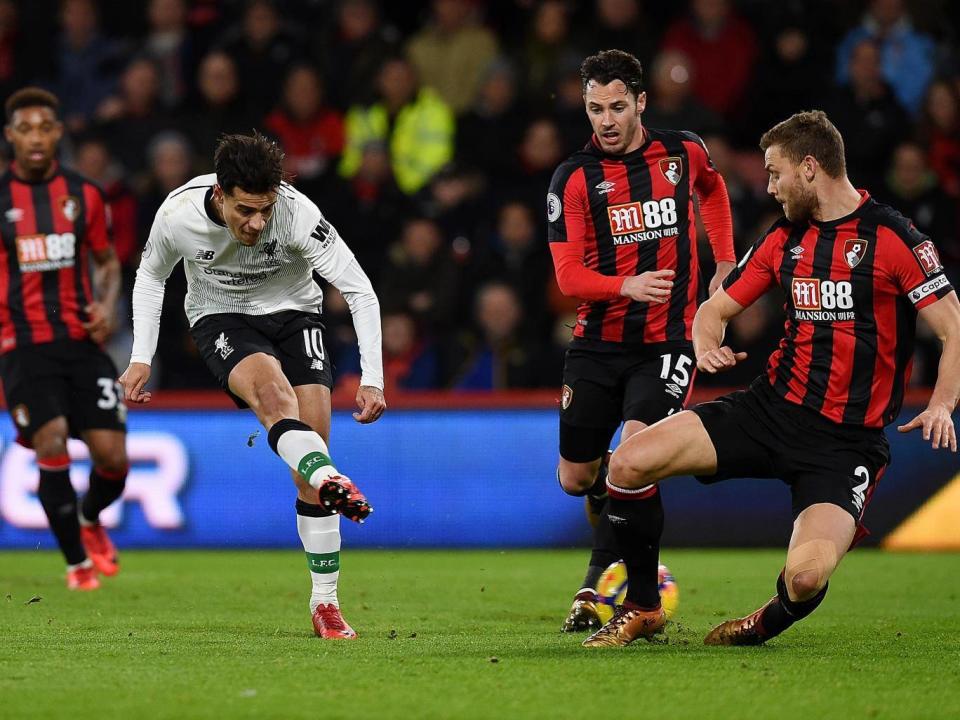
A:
305	451
321	541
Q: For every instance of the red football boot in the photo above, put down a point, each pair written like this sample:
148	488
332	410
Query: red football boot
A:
99	548
83	578
340	495
328	623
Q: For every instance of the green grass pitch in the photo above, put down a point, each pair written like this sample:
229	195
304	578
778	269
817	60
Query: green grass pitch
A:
465	634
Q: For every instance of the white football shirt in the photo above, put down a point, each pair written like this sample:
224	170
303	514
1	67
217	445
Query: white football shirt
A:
275	274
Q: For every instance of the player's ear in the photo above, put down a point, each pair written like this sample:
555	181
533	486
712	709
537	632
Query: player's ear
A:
809	167
641	103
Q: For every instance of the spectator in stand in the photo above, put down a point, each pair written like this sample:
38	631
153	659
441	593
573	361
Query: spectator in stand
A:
789	76
538	156
92	158
907	57
262	48
517	256
133	114
452	52
353	50
88	64
170	165
15	63
414	121
567	110
492	128
912	187
498	355
219	110
940	131
722	49
672	104
868	116
410	361
620	24
171	47
549	48
310	132
455	201
420	277
366	206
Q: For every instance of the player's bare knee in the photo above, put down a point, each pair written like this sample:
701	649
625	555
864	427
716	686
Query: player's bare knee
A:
632	469
809	566
273	399
806	584
575	481
50	440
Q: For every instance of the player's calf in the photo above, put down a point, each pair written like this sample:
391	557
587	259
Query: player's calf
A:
769	621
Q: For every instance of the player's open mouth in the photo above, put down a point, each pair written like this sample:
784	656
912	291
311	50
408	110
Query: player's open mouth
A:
611	136
35	156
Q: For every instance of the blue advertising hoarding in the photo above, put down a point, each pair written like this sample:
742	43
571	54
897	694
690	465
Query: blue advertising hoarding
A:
465	478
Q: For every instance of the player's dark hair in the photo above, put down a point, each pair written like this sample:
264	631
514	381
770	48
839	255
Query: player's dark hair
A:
609	65
809	133
31	97
253	163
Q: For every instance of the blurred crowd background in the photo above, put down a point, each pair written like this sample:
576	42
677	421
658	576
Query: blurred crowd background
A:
427	132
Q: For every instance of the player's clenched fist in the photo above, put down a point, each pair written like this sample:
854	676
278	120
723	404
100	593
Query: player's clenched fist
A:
653	286
133	380
723	358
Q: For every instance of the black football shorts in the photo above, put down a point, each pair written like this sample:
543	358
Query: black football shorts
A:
294	337
70	378
601	389
758	434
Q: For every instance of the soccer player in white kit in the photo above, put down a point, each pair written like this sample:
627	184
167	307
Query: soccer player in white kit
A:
250	245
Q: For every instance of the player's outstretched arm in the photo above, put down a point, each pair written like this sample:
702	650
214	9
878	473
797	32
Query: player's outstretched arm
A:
936	422
133	380
709	325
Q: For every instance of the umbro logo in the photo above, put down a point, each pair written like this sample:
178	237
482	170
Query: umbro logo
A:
606	186
14	215
204	255
797	251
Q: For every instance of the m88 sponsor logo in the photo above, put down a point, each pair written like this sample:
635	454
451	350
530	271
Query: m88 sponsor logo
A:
816	299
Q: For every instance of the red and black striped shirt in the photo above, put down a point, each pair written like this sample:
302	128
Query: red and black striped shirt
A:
616	216
47	230
853	287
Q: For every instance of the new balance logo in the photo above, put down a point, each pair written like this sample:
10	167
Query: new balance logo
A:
222	346
203	255
316	364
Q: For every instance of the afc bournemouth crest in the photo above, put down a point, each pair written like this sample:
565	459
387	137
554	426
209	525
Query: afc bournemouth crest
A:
672	169
566	397
70	207
854	250
21	416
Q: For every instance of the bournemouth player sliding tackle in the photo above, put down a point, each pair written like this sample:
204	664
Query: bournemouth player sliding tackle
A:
623	237
250	244
855	274
57	380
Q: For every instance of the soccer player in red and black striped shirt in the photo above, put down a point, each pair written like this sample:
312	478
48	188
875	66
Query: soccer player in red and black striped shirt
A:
57	380
623	238
855	275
